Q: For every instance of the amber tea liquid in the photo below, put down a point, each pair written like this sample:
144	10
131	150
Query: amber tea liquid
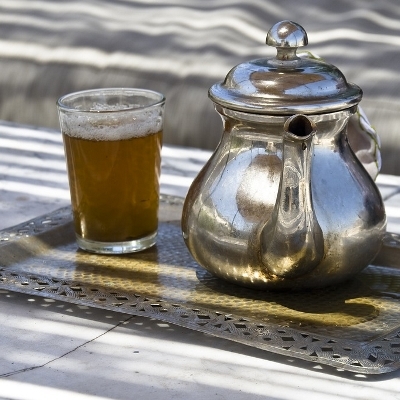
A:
114	186
112	140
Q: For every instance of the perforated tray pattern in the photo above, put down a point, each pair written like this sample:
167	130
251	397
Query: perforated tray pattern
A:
354	327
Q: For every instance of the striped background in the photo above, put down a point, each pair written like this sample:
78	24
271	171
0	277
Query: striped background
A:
181	47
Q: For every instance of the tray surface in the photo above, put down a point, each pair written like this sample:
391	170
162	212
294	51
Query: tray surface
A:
354	327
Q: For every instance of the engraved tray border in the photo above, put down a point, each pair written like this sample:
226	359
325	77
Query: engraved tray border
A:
377	356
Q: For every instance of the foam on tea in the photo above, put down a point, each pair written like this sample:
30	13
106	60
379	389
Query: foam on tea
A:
113	122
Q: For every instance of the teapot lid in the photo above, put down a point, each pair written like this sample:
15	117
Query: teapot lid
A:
286	84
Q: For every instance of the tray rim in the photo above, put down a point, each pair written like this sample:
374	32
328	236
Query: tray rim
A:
378	355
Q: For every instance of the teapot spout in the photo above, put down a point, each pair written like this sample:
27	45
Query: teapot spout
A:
291	242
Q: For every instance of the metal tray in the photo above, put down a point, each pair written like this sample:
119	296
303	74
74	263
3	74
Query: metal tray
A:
353	327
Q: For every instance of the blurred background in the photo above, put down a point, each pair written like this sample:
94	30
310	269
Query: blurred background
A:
181	47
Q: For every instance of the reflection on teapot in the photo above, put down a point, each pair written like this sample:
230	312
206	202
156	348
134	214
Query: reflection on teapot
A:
283	202
291	242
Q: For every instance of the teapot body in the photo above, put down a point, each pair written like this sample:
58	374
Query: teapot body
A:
234	197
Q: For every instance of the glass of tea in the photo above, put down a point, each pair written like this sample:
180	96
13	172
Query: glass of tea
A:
112	140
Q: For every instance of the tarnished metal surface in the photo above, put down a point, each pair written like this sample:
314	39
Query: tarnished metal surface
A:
286	84
292	242
354	327
254	176
269	213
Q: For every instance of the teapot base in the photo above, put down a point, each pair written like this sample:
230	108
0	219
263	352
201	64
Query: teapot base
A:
280	284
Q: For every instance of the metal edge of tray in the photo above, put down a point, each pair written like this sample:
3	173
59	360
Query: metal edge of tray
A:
372	357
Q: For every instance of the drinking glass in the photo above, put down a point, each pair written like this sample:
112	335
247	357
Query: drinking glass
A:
112	140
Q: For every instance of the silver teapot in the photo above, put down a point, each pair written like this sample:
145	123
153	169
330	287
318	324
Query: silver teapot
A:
283	202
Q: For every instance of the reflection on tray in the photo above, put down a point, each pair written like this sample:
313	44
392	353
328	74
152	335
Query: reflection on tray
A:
164	282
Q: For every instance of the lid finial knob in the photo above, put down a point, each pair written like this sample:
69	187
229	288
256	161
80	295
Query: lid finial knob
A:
287	36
